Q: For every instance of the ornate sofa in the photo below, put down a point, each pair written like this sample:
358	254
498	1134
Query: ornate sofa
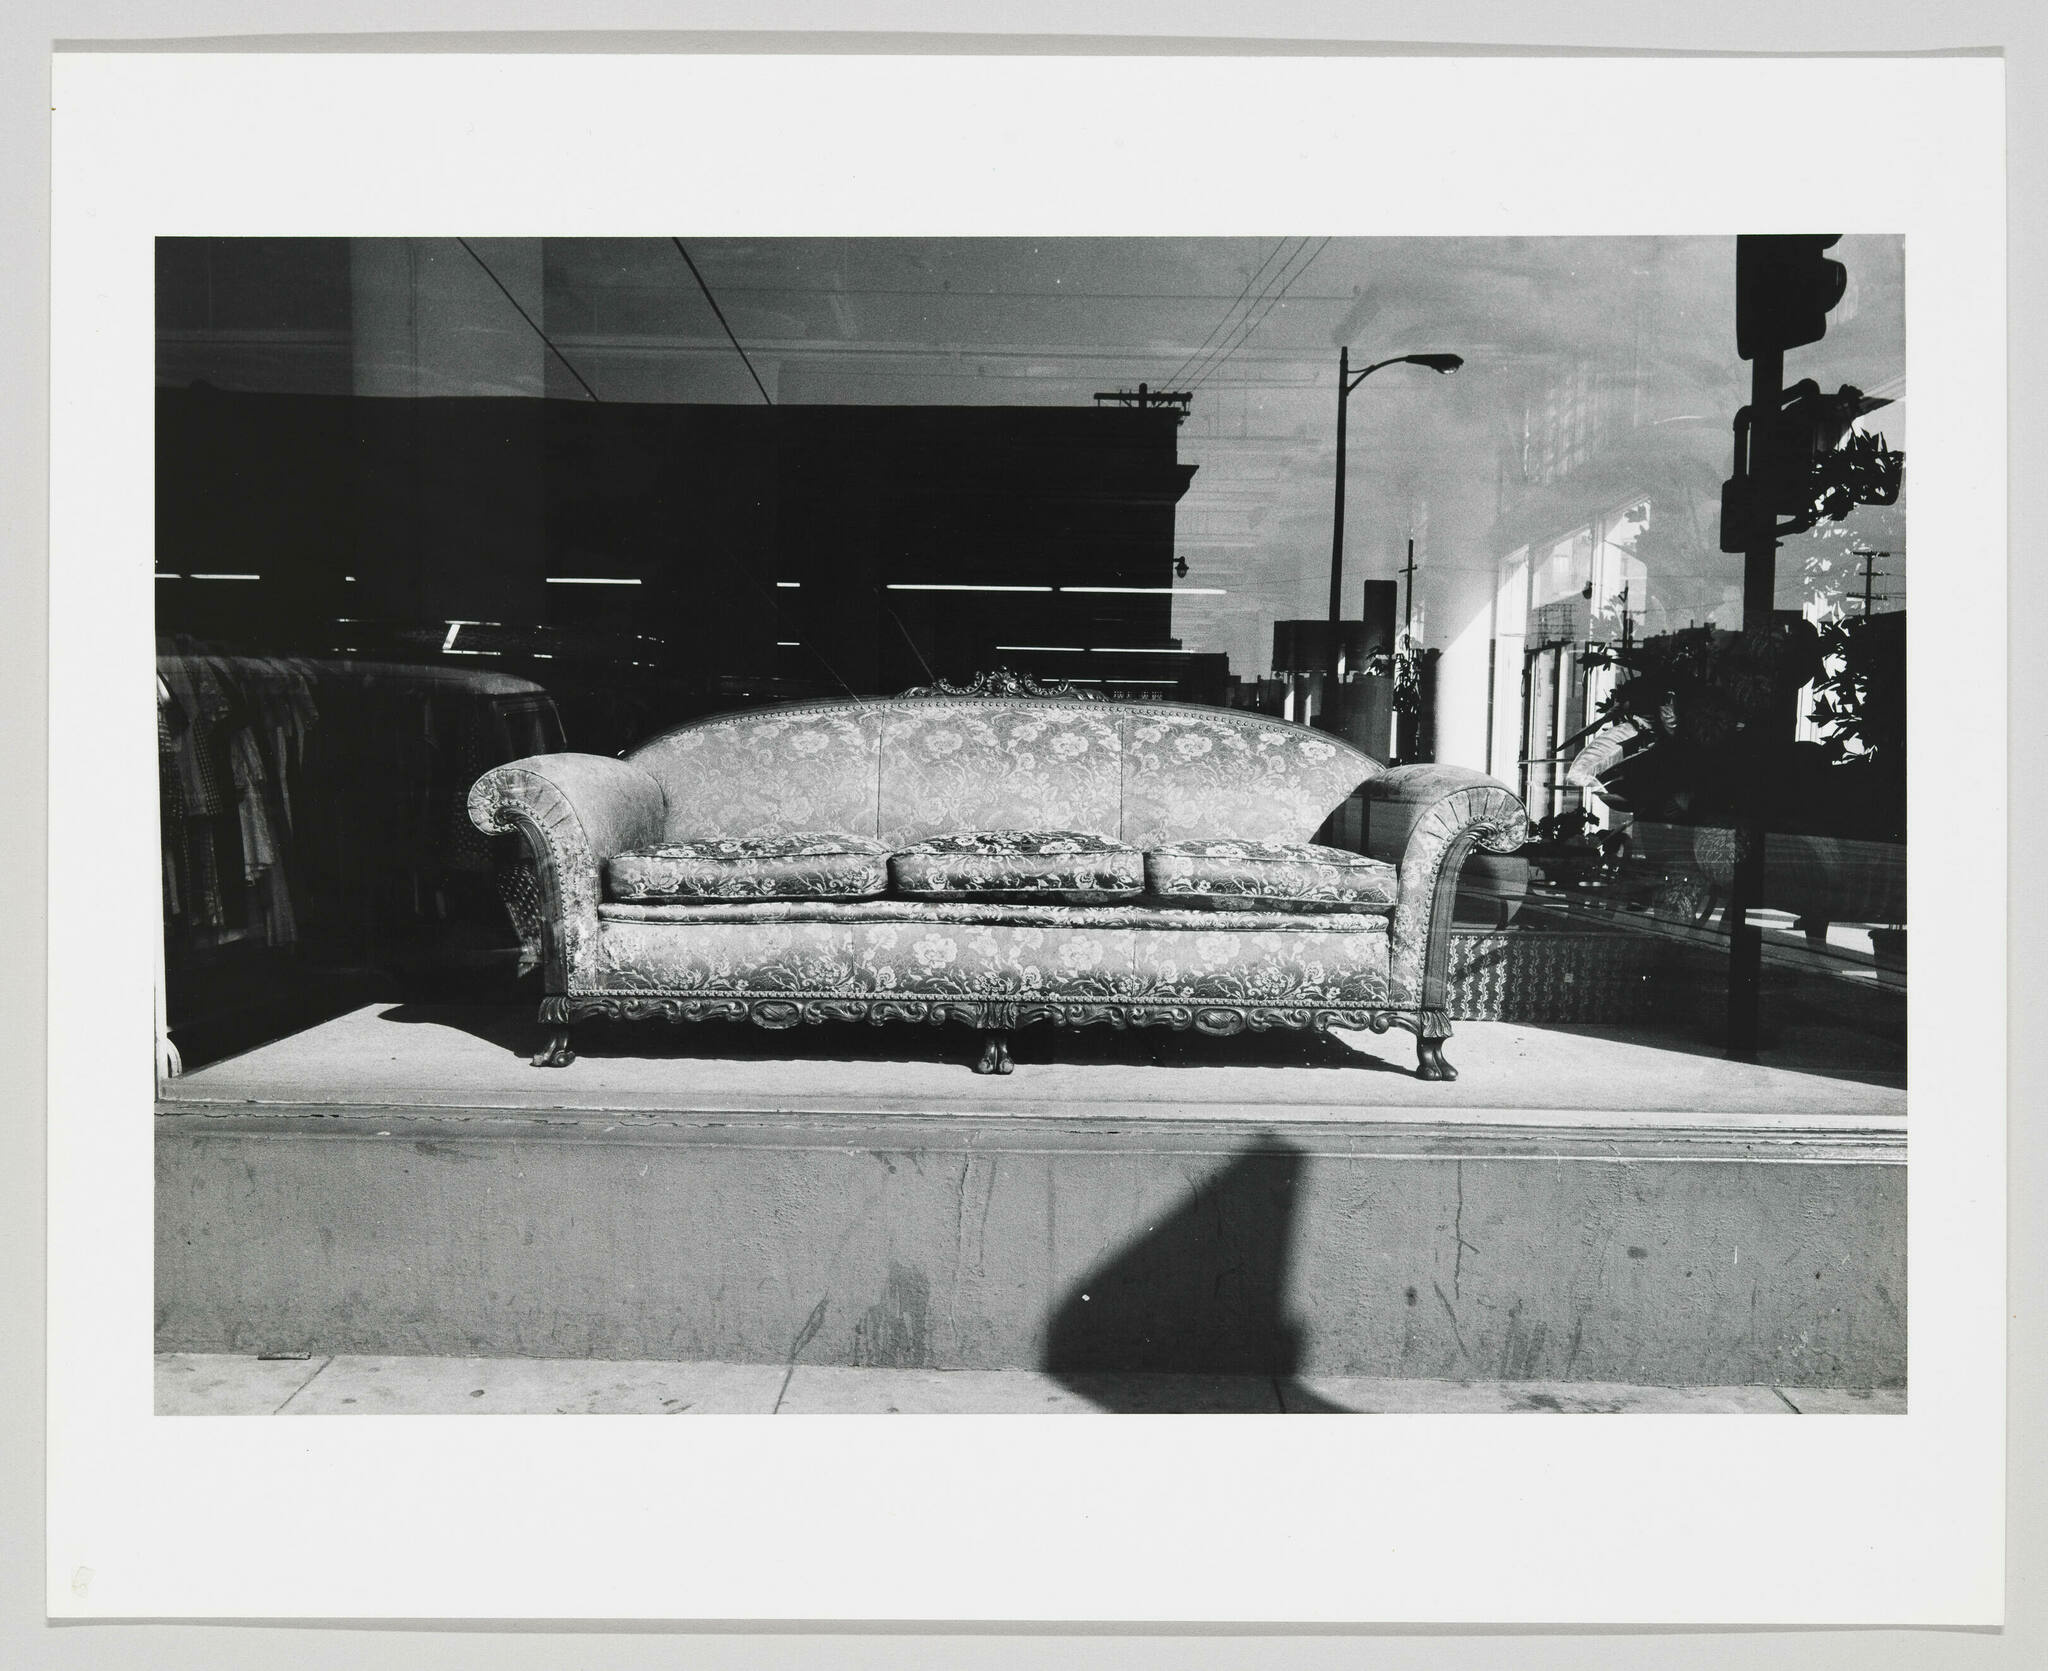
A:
999	855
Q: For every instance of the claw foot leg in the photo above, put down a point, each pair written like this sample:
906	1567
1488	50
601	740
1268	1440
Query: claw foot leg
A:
1429	1060
557	1052
995	1053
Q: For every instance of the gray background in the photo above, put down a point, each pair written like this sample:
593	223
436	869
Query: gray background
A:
28	28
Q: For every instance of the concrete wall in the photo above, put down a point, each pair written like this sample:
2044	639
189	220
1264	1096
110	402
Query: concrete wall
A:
981	1243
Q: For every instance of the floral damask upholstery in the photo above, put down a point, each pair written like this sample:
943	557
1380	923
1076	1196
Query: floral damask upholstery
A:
1281	971
1192	774
808	767
1061	864
1426	819
808	864
1041	811
1259	874
977	765
574	811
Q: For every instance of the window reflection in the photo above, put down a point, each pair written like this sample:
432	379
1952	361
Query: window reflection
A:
367	459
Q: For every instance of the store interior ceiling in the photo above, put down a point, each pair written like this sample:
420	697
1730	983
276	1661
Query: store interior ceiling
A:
1249	328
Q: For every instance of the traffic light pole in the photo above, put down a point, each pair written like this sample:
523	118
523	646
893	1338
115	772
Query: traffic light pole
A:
1784	287
1759	606
1760	556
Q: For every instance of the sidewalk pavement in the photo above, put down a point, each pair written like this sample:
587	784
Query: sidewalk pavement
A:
209	1384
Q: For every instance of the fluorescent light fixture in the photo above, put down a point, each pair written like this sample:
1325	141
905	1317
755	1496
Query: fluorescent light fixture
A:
1133	681
789	585
448	643
1061	649
1138	650
476	653
351	579
543	655
227	577
789	644
170	577
948	586
1155	591
590	580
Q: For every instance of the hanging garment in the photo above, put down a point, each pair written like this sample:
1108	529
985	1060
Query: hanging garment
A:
170	800
202	761
208	908
259	848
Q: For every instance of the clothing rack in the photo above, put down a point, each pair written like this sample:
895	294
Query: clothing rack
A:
231	748
315	833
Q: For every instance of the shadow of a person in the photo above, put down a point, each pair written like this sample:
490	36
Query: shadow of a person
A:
1201	1293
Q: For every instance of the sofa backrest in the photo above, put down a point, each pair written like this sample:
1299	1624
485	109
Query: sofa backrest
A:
905	768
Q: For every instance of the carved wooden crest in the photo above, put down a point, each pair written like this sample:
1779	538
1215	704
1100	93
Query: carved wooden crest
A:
1003	682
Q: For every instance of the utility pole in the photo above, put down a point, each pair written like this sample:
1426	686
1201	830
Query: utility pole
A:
1146	397
1408	611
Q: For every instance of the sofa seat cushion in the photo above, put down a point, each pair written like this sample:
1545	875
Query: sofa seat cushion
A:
1123	913
1068	865
812	864
1265	875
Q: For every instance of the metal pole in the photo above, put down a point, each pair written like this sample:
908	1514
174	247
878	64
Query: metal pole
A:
1337	531
1760	556
1759	603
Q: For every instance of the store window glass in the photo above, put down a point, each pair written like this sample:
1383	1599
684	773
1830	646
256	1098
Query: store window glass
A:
429	505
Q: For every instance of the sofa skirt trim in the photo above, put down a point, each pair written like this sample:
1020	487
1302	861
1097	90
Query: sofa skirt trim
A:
782	1009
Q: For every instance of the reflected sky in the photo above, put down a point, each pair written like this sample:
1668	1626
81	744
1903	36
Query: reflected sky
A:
1600	376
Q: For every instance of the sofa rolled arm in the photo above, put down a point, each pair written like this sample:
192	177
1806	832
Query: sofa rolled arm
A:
1426	820
575	811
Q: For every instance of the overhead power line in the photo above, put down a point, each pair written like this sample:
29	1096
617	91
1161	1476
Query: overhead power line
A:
1228	314
1217	363
532	323
1236	330
715	308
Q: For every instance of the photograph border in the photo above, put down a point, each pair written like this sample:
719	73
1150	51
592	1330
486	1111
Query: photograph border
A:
103	1459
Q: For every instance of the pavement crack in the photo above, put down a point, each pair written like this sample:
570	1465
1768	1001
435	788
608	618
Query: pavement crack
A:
805	1335
1780	1391
1458	1235
303	1385
1453	1316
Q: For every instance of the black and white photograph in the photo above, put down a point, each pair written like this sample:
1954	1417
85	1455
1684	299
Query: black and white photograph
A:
1270	825
1170	741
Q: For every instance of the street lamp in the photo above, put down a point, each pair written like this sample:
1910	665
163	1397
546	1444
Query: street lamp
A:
1347	380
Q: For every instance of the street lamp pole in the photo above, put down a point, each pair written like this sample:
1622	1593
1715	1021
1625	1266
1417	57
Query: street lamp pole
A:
1337	532
1347	380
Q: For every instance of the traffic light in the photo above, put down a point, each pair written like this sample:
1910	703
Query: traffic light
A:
1784	287
1809	424
1780	466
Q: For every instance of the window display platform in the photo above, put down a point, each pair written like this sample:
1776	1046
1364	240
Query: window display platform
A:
1578	1206
455	1056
